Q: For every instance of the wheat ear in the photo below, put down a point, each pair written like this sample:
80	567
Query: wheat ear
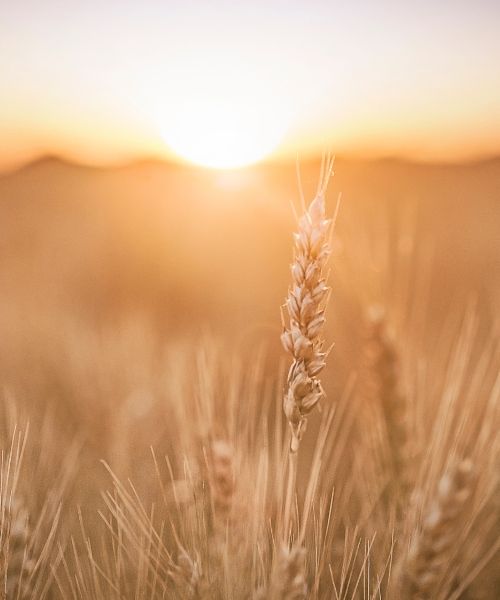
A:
305	305
381	387
288	579
429	555
222	486
19	567
188	578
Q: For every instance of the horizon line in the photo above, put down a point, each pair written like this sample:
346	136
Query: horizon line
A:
47	157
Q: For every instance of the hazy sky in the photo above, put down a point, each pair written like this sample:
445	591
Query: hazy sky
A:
102	80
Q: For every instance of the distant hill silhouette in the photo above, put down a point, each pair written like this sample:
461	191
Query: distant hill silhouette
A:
49	159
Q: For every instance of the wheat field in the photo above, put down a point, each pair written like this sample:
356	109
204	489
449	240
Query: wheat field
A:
347	448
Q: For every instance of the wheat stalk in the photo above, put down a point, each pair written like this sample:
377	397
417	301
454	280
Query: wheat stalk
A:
15	561
187	576
381	388
221	478
288	578
305	304
429	554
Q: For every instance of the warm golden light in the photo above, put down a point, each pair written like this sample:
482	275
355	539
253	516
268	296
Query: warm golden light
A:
221	134
221	85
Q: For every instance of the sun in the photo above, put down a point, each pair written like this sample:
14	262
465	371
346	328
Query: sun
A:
222	133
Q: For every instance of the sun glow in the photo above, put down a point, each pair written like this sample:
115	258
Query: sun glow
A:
226	111
222	133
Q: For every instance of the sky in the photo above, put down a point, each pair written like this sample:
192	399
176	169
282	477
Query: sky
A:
104	81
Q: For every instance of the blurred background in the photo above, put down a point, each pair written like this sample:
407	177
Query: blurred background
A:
195	252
